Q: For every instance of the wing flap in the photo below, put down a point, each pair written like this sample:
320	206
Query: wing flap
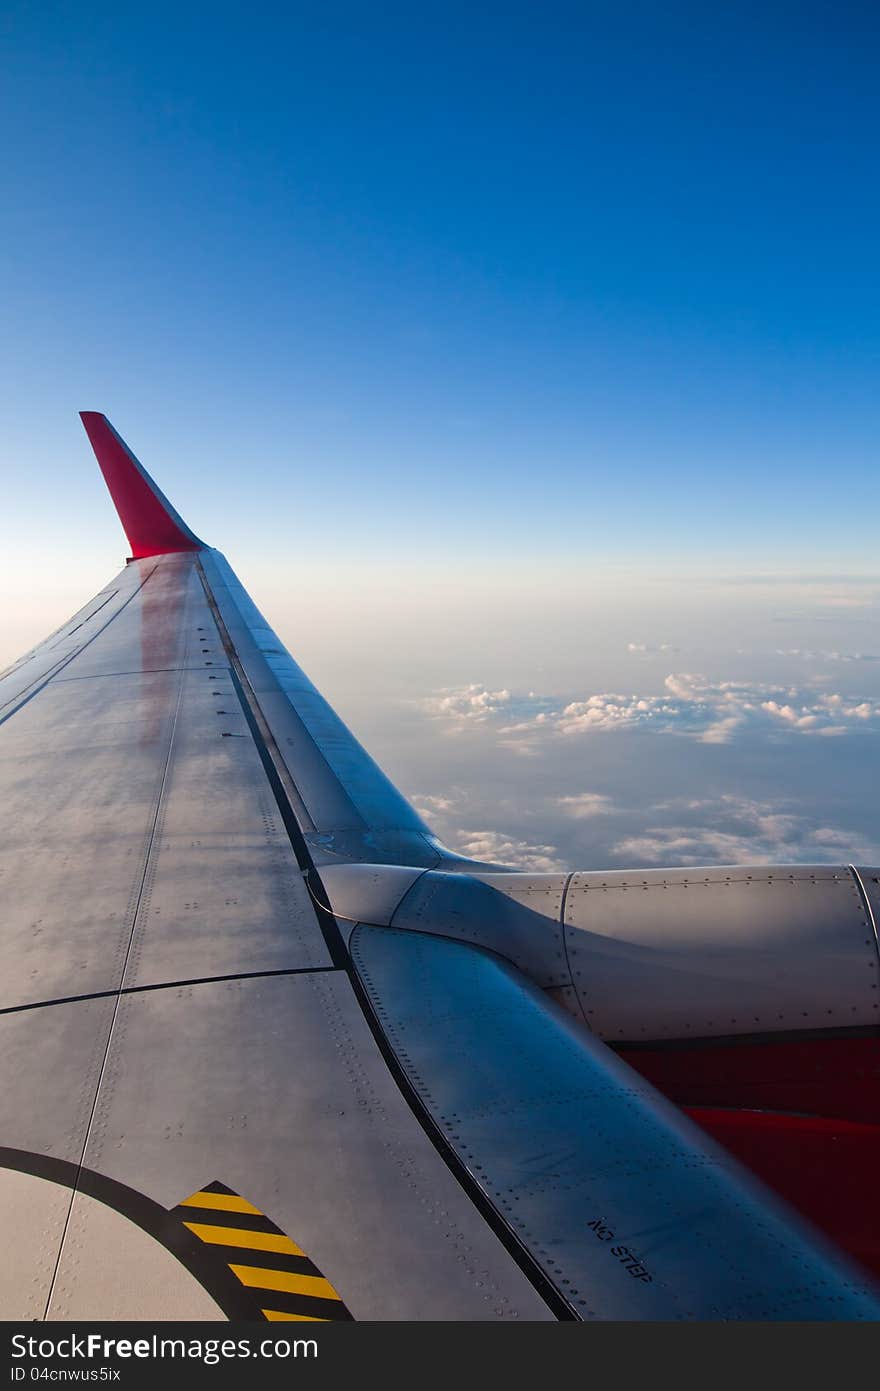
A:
629	1210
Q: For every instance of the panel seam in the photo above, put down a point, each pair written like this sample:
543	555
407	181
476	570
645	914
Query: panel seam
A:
562	907
164	985
869	911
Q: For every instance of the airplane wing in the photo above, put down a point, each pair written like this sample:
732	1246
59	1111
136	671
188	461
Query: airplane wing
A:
270	1051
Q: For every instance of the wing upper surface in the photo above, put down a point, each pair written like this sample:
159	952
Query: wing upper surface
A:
626	1207
170	1013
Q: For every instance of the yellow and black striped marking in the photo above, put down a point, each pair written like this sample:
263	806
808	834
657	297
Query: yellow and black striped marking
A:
276	1273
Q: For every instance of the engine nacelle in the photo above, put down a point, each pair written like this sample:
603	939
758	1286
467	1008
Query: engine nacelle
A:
650	955
698	953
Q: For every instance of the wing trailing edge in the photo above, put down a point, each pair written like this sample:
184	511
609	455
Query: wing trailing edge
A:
151	524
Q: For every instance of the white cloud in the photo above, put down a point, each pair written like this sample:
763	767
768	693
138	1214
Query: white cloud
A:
721	731
505	850
738	830
800	719
472	702
807	655
585	804
445	811
711	711
427	805
847	601
648	647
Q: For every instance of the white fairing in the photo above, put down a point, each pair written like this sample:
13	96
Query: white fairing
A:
696	953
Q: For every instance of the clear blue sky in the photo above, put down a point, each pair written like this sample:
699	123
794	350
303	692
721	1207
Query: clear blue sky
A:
597	278
451	325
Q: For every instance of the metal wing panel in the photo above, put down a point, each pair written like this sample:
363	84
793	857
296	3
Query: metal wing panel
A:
223	892
79	797
50	1063
157	631
516	915
25	676
140	1279
274	1087
628	1209
143	849
141	837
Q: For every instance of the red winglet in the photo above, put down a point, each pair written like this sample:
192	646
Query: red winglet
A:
150	522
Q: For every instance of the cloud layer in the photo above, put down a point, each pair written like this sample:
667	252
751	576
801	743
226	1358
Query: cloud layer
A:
806	654
713	712
507	850
720	830
739	830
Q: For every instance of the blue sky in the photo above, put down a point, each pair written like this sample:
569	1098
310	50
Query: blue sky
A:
543	329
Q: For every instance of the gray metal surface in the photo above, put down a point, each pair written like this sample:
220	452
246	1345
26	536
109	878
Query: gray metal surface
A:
366	893
276	1088
516	915
142	846
223	892
658	954
654	954
630	1210
121	1272
81	770
868	879
50	1062
25	676
156	631
140	836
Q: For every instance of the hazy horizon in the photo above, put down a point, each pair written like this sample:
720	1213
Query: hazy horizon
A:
599	726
